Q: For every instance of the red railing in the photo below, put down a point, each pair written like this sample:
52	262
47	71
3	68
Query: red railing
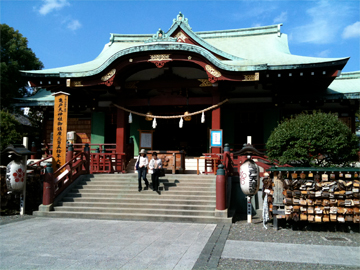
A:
107	162
37	164
78	147
212	161
103	157
71	170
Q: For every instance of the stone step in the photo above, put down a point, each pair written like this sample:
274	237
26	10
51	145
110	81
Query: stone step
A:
145	194
135	205
167	176
94	185
134	187
144	200
135	180
122	210
135	183
135	216
182	198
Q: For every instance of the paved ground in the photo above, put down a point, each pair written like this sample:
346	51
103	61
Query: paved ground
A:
51	243
56	243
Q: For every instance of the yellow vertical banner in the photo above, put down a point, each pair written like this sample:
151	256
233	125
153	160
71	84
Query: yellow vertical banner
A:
60	129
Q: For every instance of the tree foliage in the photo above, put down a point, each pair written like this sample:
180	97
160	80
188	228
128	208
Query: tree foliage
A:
317	139
11	130
15	56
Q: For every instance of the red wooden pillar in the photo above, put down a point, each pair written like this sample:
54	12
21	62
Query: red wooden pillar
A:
215	124
120	135
48	186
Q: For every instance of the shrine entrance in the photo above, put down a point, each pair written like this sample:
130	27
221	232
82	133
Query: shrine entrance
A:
191	138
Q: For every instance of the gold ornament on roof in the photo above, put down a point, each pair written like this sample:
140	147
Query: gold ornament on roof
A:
77	83
204	83
213	71
180	37
251	77
109	75
159	57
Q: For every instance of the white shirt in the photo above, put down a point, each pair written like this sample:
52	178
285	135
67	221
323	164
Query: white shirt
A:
143	161
155	164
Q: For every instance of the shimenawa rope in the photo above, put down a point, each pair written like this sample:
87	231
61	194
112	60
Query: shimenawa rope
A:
172	116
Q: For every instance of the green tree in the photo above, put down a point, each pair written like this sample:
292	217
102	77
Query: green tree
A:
317	139
11	130
15	56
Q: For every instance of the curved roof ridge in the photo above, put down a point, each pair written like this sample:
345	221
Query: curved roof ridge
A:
349	75
184	26
129	37
260	30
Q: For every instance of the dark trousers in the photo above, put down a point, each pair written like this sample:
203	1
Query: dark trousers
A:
142	173
155	179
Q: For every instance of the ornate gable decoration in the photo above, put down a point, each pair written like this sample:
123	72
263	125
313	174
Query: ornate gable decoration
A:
180	18
180	37
160	36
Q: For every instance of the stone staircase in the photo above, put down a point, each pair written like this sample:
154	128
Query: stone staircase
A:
182	198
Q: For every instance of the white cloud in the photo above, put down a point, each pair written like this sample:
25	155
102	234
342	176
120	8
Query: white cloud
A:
74	25
325	53
256	10
281	18
50	5
326	20
352	30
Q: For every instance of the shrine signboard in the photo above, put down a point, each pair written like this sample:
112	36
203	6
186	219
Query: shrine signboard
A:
146	139
60	129
216	136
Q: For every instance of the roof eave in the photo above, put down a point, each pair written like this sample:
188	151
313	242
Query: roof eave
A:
340	61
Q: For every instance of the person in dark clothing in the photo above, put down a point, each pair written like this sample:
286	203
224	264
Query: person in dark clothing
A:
154	166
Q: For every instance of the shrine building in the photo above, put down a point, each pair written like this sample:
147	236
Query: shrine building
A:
240	81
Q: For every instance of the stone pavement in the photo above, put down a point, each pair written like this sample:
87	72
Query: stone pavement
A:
295	253
57	243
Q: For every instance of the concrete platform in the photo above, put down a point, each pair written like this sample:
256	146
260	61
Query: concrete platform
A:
48	243
295	253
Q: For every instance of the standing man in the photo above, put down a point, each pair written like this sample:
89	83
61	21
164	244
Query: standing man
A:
155	165
141	167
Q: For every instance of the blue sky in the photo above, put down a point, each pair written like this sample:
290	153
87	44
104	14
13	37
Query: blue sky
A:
67	32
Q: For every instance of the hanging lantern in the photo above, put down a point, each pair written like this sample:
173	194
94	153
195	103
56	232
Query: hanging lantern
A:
249	177
130	118
181	123
154	124
15	175
149	116
187	118
202	117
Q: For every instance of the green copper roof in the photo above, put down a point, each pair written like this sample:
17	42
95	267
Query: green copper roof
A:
41	98
184	25
249	49
347	85
270	46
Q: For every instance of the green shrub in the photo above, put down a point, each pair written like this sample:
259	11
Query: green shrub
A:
11	130
317	139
